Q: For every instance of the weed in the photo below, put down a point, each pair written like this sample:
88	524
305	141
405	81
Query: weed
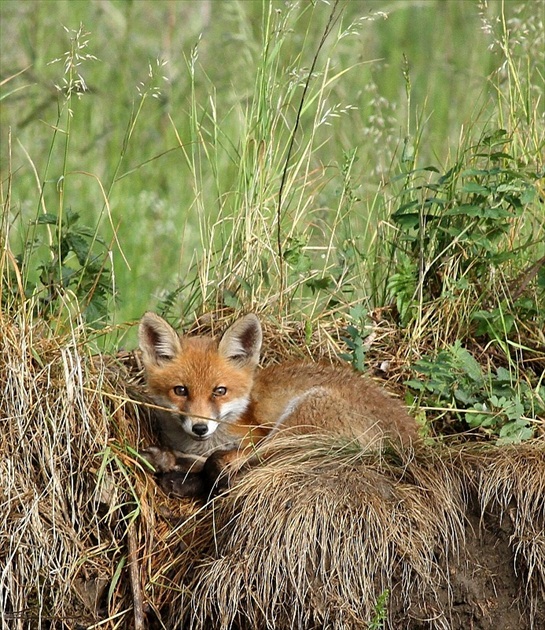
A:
355	338
463	238
492	401
87	276
461	225
381	611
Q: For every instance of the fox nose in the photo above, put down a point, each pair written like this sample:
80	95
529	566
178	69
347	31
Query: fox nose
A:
200	429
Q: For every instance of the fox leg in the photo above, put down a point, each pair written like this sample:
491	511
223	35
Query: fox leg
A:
189	476
182	485
219	469
165	459
177	474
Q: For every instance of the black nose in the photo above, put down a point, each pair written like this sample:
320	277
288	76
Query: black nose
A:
199	429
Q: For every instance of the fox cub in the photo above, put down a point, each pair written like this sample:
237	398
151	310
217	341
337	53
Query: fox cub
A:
222	403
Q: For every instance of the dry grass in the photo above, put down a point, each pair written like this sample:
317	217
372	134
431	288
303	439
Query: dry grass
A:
308	538
67	490
329	533
313	538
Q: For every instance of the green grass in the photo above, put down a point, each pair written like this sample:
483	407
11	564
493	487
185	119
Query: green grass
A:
204	167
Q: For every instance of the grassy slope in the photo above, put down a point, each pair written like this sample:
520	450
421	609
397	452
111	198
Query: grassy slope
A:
451	257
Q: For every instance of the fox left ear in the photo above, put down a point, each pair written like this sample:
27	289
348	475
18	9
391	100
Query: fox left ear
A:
158	340
241	342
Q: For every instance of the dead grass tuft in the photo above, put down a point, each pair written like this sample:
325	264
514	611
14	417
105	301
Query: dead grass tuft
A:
313	538
330	531
68	493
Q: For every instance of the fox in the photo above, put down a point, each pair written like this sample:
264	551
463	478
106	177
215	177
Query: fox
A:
220	403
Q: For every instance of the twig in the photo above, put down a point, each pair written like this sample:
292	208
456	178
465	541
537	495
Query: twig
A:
526	277
134	574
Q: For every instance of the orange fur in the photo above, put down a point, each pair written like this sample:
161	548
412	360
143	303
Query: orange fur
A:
228	403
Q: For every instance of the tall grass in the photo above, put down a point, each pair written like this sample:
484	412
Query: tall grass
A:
174	165
310	160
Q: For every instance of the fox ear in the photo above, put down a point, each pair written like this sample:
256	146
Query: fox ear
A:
158	340
241	342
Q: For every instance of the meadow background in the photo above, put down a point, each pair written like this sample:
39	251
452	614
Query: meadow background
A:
378	163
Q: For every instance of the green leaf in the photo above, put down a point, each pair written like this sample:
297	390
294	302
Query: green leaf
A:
47	218
475	420
528	195
230	299
116	577
296	256
318	284
482	212
495	156
410	220
465	397
418	385
89	232
503	375
475	172
468	363
474	188
358	312
496	137
447	176
405	206
541	277
514	186
515	432
79	246
70	217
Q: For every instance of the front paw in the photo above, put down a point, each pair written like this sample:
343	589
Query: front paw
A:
162	459
166	460
183	485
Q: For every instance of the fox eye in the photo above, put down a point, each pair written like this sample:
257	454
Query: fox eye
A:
220	391
180	390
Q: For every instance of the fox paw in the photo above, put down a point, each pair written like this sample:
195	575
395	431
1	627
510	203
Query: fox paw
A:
189	476
183	485
165	460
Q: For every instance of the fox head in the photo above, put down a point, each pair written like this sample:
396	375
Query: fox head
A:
206	382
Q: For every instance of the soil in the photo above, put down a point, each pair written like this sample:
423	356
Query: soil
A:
488	590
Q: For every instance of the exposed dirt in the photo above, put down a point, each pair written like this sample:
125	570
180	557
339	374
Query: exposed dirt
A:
487	588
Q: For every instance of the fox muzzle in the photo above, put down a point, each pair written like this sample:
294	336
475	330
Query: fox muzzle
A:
199	429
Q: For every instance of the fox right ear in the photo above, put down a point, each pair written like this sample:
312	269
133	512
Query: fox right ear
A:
241	342
158	340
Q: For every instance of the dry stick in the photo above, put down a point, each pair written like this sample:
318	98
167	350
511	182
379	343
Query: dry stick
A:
526	277
333	19
134	574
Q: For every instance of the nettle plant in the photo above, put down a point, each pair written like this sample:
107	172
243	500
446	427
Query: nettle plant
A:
456	230
466	276
78	263
495	402
356	336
